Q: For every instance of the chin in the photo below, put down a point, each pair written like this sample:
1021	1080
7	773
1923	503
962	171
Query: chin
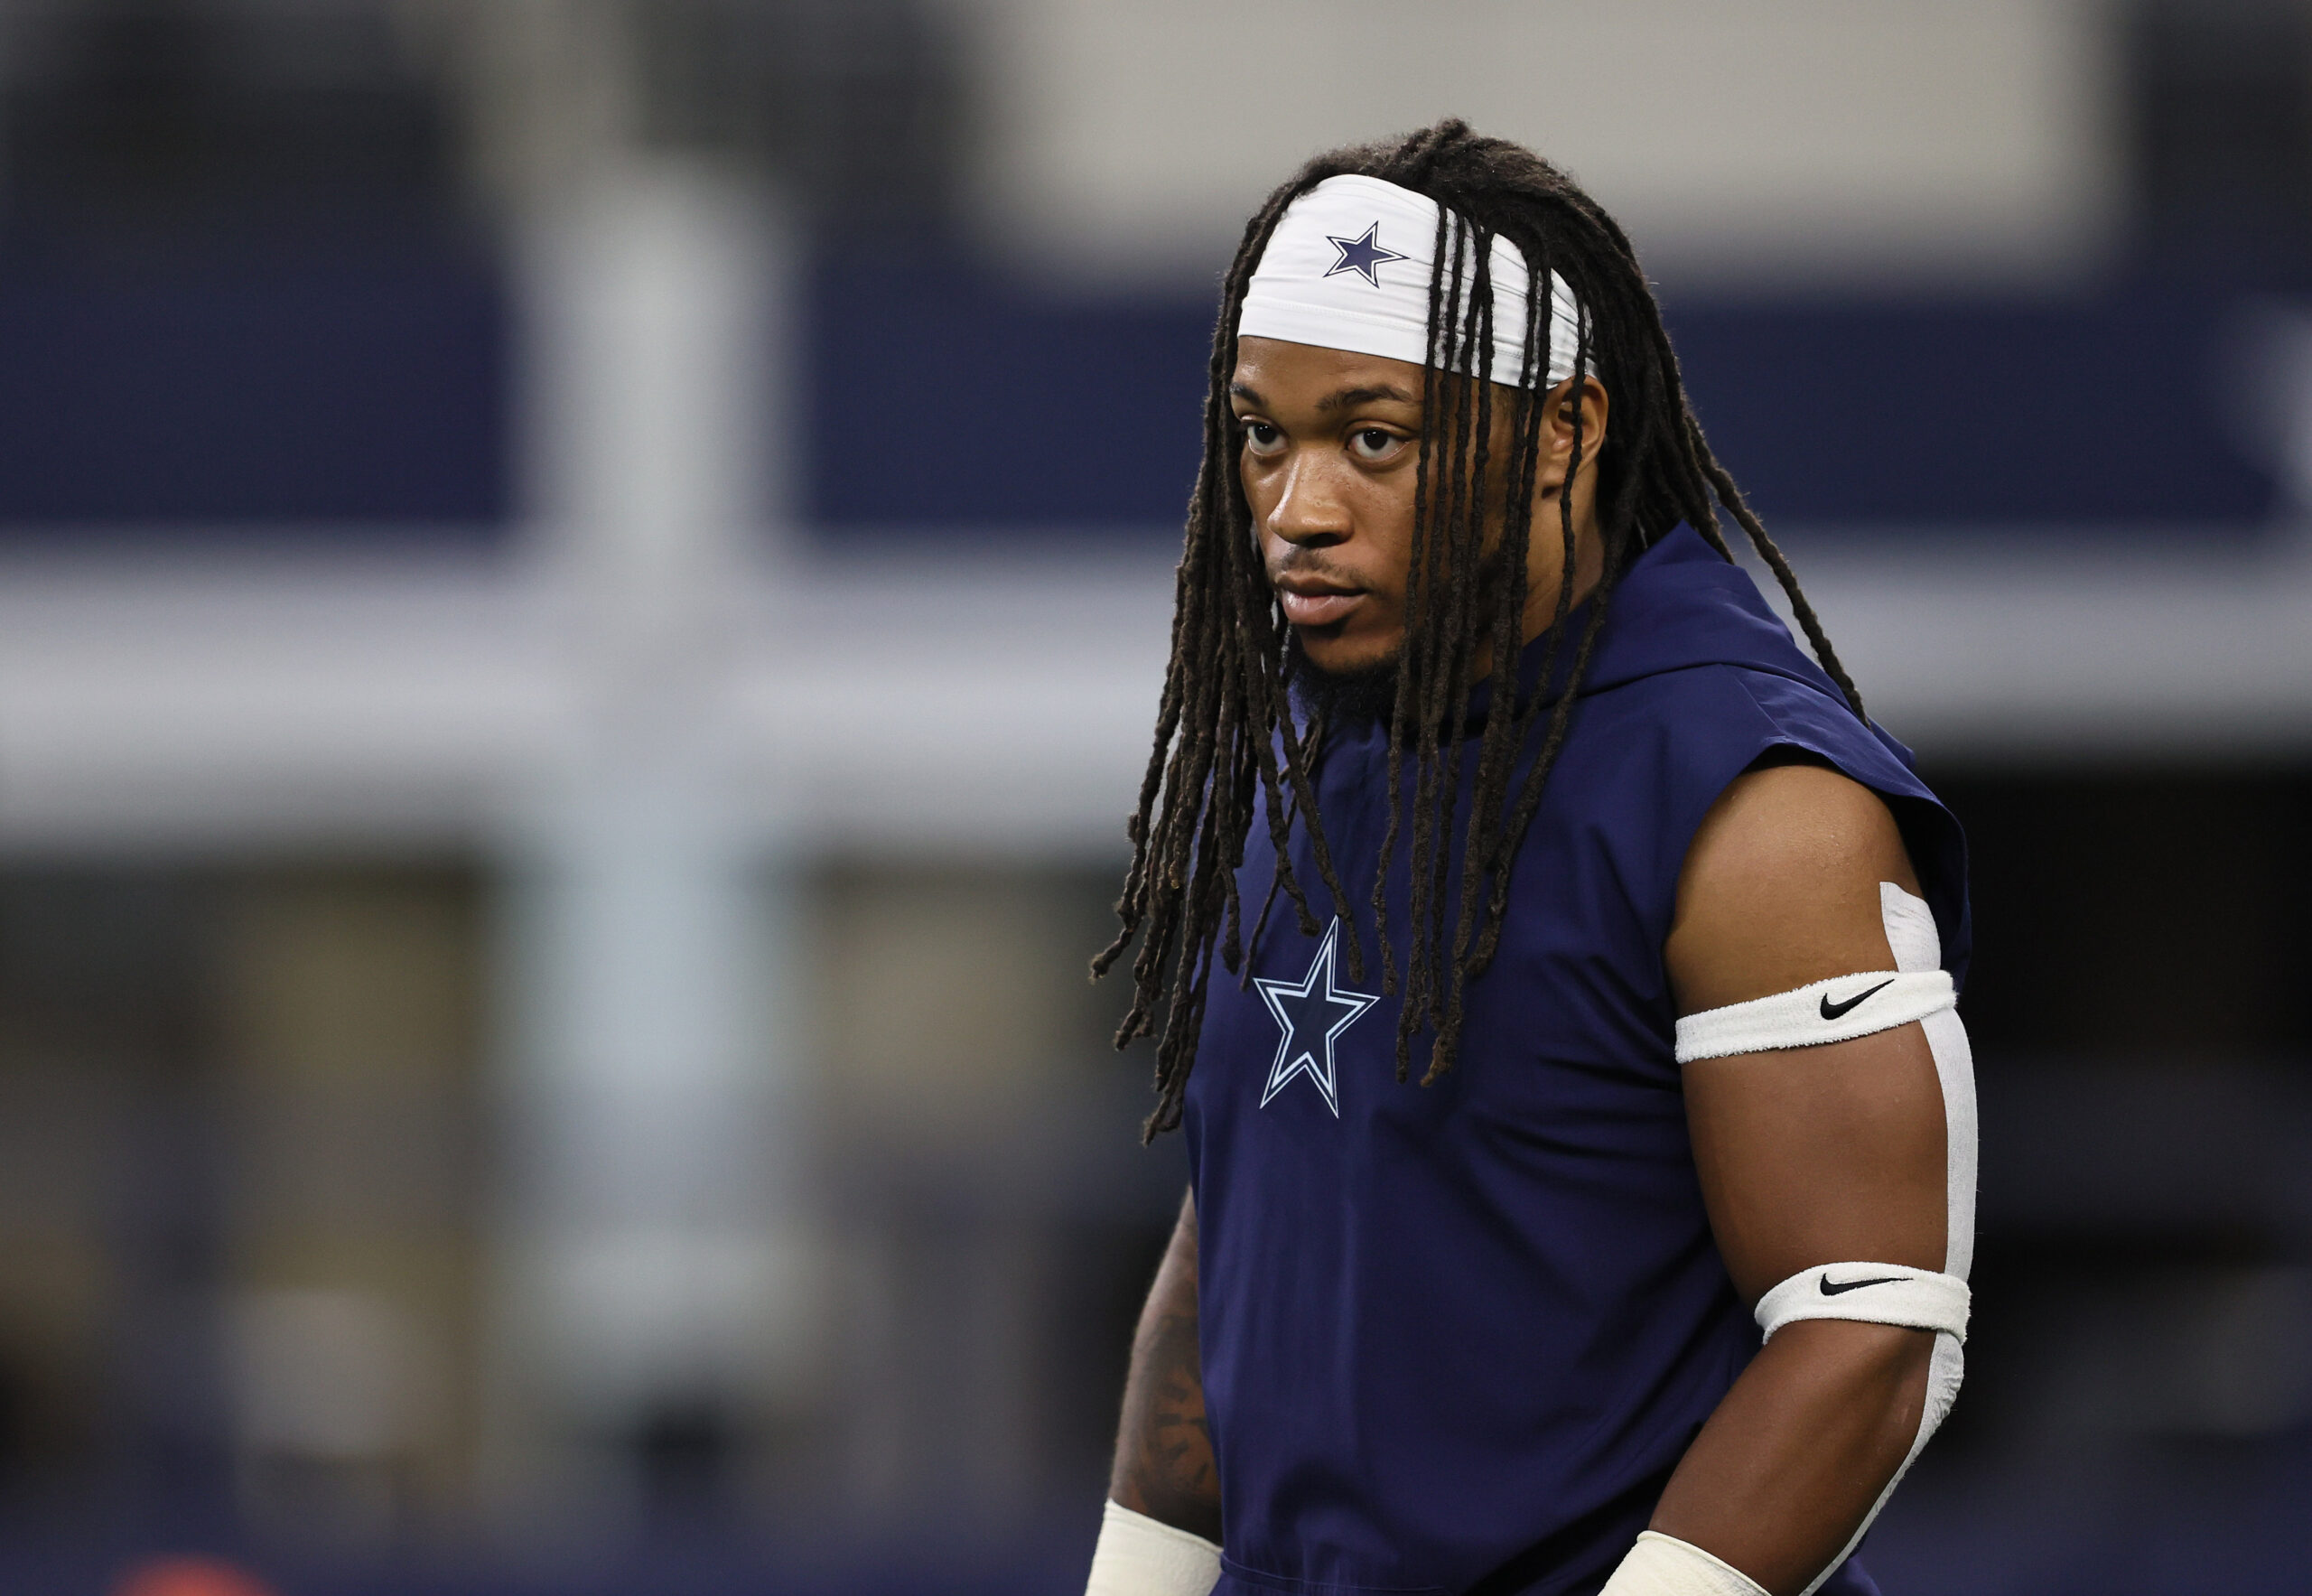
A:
1343	685
1339	657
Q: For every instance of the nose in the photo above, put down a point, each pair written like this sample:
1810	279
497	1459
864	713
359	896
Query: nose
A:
1308	513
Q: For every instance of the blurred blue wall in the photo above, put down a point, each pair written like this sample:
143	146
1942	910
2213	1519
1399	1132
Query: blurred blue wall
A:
305	386
941	395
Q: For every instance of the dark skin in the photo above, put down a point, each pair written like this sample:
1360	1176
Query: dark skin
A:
1164	1466
1331	443
1807	1157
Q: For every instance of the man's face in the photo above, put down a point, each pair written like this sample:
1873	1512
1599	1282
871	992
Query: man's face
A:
1329	444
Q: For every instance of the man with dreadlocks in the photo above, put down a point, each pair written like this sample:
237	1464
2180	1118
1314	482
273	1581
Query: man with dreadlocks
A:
1585	960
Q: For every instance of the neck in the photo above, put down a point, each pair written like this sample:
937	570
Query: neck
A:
1544	565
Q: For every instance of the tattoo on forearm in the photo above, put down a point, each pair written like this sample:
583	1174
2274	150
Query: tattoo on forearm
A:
1164	1463
1174	1451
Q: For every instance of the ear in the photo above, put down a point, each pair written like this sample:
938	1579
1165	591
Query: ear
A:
1564	405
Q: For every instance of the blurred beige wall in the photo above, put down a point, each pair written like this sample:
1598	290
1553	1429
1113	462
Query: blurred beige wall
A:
1807	139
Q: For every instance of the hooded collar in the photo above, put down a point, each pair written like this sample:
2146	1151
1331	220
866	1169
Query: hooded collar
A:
1680	604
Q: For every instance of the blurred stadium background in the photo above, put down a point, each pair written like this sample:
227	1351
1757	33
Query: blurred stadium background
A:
581	585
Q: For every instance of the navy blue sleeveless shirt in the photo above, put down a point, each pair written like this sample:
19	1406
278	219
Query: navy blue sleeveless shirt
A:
1455	1338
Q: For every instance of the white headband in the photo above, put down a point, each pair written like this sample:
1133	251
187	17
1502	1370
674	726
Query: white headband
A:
1348	268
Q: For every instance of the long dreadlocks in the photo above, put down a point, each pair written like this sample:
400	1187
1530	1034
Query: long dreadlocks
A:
1226	739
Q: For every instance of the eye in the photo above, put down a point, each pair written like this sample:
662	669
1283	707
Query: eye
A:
1263	438
1374	444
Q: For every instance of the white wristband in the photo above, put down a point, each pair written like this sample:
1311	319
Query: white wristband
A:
1138	1556
1662	1565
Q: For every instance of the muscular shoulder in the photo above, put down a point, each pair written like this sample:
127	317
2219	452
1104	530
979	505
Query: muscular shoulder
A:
1780	886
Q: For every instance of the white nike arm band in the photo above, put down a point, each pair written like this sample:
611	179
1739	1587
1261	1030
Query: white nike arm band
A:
1664	1565
1138	1556
1873	1294
1837	1009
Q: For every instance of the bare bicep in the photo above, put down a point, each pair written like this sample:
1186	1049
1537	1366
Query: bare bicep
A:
1820	1155
1780	887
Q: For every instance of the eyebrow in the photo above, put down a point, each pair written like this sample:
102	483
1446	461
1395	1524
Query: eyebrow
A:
1342	400
1349	396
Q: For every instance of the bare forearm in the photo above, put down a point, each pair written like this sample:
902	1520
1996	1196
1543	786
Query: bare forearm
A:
1163	1465
1800	1449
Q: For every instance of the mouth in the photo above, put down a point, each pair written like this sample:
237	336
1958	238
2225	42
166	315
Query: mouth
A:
1316	601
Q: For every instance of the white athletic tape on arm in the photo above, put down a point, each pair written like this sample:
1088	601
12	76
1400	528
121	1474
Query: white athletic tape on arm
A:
1918	990
1837	1009
1662	1565
1946	1368
1917	947
1138	1556
1870	1293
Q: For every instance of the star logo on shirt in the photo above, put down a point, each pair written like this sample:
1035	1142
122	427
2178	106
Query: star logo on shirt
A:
1360	256
1311	1014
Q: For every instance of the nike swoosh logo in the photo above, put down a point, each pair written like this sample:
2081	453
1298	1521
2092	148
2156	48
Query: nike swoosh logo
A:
1855	1285
1832	1010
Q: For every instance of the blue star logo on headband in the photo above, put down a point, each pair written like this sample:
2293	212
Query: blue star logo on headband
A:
1360	256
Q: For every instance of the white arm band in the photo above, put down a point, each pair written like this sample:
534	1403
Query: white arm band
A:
1916	989
1662	1565
1138	1556
1837	1010
1874	1293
